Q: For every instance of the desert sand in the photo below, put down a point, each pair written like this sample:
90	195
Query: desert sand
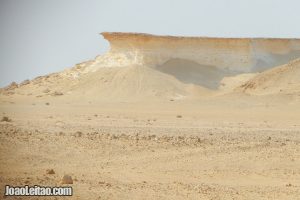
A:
161	117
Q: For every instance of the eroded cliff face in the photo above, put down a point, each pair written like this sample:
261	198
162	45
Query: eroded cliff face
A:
144	67
229	54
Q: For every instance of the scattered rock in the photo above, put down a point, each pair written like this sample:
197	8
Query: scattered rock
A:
26	82
56	93
50	171
11	86
66	179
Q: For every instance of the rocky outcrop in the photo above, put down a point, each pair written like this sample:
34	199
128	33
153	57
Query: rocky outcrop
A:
145	67
231	54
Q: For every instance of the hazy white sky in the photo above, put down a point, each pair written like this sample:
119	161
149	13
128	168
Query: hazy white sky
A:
42	36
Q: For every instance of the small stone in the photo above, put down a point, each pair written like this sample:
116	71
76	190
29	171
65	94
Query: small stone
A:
66	179
50	171
56	93
78	134
269	138
6	119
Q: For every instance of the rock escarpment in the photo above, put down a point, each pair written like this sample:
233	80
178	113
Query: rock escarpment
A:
229	54
143	66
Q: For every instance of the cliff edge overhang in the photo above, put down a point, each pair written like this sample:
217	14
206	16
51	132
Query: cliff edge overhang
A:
131	35
233	54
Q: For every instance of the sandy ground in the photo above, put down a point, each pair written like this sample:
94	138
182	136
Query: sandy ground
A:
167	150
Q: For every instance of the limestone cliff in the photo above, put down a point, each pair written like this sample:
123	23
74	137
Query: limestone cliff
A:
143	66
231	54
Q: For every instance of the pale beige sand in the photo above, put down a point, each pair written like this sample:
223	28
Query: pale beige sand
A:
216	150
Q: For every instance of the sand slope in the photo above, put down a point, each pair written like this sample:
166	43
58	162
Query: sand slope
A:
123	83
283	79
175	79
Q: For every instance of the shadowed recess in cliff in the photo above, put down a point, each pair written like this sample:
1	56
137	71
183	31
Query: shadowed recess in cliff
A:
190	72
269	60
